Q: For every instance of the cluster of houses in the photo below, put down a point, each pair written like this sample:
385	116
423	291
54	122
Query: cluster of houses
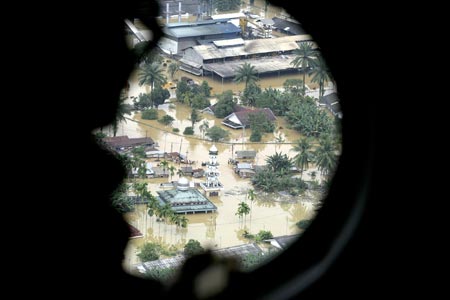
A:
124	144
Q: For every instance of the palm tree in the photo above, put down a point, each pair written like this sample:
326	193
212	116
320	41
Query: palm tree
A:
321	74
279	163
183	221
142	169
127	162
174	219
122	110
166	211
172	171
326	158
194	117
305	59
251	195
164	164
204	127
279	139
152	204
246	73
173	68
304	155
151	74
140	188
243	210
180	172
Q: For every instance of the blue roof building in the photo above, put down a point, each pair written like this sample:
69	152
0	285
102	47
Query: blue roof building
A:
179	36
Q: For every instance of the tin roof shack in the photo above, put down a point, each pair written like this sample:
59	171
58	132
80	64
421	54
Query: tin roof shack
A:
245	154
197	173
187	171
159	172
287	26
244	170
149	173
123	143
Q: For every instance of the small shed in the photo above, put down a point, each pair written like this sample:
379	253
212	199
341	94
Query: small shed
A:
187	170
244	170
245	154
159	172
197	173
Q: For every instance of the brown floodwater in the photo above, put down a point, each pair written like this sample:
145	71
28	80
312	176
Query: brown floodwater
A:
274	212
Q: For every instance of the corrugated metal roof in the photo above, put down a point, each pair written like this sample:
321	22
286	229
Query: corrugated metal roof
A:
245	153
228	16
266	65
229	42
200	30
290	26
239	251
259	46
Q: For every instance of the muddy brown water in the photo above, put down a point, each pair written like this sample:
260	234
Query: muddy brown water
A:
274	212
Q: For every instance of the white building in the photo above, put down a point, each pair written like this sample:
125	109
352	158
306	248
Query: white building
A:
212	184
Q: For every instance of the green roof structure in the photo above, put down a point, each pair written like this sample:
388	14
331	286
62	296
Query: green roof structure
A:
186	200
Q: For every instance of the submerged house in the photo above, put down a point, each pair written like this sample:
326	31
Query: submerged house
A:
119	143
244	170
185	199
241	119
149	173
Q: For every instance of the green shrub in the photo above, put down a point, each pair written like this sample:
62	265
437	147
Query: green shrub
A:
150	114
188	131
255	136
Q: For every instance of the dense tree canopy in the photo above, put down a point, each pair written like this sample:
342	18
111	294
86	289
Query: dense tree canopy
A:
250	95
225	104
216	133
308	119
159	95
193	247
